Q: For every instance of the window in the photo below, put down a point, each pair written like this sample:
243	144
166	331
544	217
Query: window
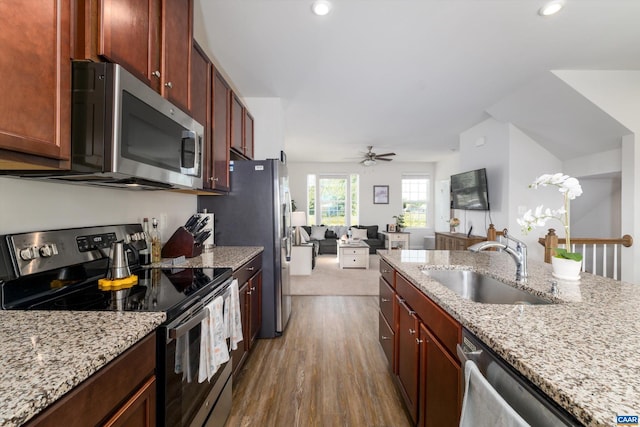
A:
415	199
332	199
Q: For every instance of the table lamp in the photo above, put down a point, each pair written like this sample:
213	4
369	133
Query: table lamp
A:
298	219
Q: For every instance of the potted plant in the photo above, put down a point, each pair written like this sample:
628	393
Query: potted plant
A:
453	223
399	222
566	265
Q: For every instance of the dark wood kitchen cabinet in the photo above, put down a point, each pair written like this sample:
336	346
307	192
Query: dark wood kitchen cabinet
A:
123	393
249	277
201	74
177	39
150	38
456	241
387	326
35	109
217	177
408	356
248	134
423	353
237	142
440	384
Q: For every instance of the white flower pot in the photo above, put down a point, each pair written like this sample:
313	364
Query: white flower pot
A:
566	269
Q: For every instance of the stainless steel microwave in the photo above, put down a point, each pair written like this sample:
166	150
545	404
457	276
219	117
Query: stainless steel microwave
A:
124	134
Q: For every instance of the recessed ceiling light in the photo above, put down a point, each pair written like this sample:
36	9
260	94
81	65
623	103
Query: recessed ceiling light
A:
321	7
551	8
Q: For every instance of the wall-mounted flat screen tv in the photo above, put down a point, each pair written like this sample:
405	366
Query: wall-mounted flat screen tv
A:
469	190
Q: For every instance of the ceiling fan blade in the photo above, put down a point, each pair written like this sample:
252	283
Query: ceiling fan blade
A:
385	154
384	160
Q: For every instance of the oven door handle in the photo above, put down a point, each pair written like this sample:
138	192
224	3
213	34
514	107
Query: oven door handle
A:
185	327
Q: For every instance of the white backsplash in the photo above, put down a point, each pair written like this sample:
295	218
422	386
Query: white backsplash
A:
27	205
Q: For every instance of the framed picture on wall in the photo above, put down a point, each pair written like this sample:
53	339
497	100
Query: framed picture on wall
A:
381	194
391	228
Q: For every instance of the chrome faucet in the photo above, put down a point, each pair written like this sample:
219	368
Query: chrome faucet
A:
519	254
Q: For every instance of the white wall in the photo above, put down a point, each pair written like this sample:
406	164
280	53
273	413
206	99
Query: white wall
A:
618	94
268	127
381	174
527	161
486	145
35	205
446	167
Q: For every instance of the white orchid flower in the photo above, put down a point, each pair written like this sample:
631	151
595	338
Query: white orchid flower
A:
569	187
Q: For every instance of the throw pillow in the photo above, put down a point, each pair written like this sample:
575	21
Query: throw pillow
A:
372	231
318	231
358	234
330	234
304	234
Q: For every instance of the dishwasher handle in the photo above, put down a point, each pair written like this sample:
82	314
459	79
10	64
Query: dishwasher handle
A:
467	355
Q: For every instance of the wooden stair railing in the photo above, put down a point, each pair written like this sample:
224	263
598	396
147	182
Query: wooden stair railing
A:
580	244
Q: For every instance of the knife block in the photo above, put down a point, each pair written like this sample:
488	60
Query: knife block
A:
181	243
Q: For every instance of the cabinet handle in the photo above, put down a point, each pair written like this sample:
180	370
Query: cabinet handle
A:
156	74
253	289
250	268
386	271
248	291
418	341
384	338
412	331
411	312
384	300
169	85
213	179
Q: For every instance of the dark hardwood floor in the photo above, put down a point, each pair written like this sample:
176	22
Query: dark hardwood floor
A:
326	370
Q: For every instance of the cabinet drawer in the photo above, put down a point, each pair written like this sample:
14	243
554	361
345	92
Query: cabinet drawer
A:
388	273
386	338
355	251
250	268
444	327
385	299
354	261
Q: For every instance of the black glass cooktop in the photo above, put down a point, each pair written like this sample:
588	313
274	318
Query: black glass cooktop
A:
76	288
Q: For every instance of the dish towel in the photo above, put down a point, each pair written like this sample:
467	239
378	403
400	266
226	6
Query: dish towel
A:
182	362
482	406
233	317
213	344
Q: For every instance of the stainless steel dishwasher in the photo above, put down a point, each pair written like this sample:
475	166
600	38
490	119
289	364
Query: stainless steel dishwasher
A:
525	398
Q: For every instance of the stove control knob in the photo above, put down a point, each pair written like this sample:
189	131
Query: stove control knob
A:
27	254
48	250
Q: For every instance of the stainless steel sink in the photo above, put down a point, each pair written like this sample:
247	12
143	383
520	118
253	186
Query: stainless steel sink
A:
480	288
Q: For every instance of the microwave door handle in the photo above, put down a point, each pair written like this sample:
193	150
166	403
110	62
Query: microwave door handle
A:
190	151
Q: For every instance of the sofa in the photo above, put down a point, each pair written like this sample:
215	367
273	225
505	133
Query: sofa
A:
325	237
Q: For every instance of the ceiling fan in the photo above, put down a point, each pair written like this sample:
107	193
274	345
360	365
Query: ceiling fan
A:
370	157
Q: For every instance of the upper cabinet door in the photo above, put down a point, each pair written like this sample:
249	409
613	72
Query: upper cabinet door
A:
221	133
35	107
129	35
248	134
177	36
236	124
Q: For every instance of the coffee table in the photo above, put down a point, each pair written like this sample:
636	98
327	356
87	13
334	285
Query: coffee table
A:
353	254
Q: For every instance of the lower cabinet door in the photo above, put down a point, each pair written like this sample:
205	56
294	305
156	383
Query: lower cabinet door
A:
140	410
408	357
386	339
440	384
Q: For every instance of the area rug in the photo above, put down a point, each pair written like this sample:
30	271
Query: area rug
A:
328	279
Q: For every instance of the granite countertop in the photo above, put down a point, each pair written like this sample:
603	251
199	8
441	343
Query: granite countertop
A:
47	353
582	350
220	256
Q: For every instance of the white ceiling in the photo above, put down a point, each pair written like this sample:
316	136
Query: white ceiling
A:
410	75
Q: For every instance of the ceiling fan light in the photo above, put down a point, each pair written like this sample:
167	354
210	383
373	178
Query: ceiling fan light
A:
321	7
551	8
369	162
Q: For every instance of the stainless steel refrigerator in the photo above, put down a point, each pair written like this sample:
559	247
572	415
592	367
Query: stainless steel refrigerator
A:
257	212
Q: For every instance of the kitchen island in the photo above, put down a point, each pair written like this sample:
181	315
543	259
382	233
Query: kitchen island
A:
581	351
46	354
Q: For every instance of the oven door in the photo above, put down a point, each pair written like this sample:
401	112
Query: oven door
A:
182	400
